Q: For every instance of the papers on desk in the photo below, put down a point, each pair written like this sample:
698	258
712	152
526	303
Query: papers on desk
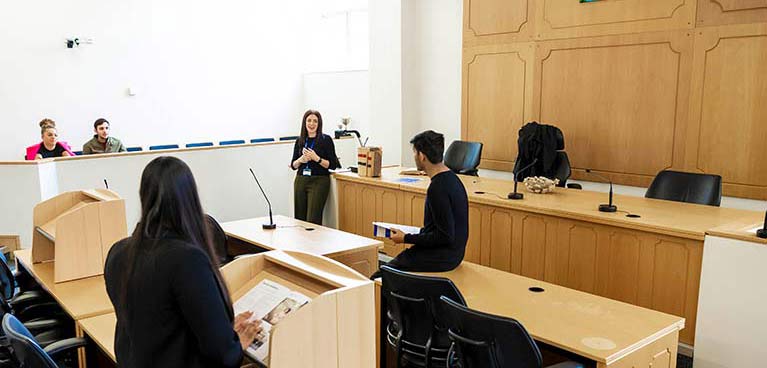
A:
270	302
407	180
383	229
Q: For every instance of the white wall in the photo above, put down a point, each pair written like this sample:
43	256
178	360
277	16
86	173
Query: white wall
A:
431	70
386	78
340	94
202	70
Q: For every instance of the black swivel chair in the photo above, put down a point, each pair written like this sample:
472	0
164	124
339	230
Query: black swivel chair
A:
28	352
463	157
686	187
414	325
562	170
219	238
483	340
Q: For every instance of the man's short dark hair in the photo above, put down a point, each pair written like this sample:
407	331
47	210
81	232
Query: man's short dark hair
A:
99	122
431	144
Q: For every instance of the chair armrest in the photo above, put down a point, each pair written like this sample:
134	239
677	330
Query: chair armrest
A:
65	345
42	325
42	310
27	297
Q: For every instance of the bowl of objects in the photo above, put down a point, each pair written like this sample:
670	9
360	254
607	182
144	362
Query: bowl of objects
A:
540	184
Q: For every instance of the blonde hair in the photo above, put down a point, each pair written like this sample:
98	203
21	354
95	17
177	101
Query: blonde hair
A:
46	124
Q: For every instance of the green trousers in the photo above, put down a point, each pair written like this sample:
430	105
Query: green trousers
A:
310	194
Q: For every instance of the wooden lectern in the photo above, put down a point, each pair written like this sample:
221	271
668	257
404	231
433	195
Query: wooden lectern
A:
335	329
76	229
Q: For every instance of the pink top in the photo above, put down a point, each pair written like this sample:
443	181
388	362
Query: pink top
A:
32	150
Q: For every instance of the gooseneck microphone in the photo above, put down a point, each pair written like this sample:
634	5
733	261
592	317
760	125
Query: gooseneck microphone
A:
609	207
106	184
515	194
762	233
271	225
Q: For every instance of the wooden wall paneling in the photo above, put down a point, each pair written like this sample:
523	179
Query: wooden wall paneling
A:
719	12
497	21
347	198
621	101
497	99
557	19
728	112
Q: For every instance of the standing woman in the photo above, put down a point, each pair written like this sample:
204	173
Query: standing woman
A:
50	145
173	309
313	155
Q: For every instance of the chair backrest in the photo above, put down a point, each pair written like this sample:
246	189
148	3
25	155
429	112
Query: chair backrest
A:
289	138
415	325
7	279
483	340
25	348
134	149
261	140
163	147
686	187
218	236
229	143
529	144
463	157
201	144
78	153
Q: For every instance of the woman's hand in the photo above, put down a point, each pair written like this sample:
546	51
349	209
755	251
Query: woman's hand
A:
38	157
308	152
246	330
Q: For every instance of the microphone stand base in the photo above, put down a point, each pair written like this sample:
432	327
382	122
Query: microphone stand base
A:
516	195
762	233
608	208
269	226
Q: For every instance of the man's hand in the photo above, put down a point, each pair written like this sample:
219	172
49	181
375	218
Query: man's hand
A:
397	236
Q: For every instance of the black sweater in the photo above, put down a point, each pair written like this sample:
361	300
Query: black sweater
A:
441	244
324	147
174	314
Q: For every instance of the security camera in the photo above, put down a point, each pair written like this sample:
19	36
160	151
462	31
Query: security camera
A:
72	42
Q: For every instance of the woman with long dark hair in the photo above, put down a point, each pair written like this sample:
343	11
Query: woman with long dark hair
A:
313	155
173	309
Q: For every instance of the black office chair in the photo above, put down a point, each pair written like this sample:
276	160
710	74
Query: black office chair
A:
482	340
200	144
232	142
28	352
219	238
289	138
463	157
39	312
134	149
414	325
686	187
562	169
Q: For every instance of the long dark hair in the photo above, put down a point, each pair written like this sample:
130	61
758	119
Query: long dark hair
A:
304	133
170	206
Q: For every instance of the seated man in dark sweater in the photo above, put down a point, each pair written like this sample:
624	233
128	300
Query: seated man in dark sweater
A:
441	243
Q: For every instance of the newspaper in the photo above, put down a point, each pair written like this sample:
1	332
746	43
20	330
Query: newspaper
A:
270	302
383	229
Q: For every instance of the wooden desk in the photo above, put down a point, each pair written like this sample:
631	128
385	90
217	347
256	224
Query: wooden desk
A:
357	252
81	298
608	332
101	329
653	261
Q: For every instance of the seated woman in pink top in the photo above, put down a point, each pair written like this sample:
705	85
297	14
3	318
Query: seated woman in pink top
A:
50	146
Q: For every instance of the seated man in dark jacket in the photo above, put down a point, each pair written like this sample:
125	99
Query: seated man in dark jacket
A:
441	243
